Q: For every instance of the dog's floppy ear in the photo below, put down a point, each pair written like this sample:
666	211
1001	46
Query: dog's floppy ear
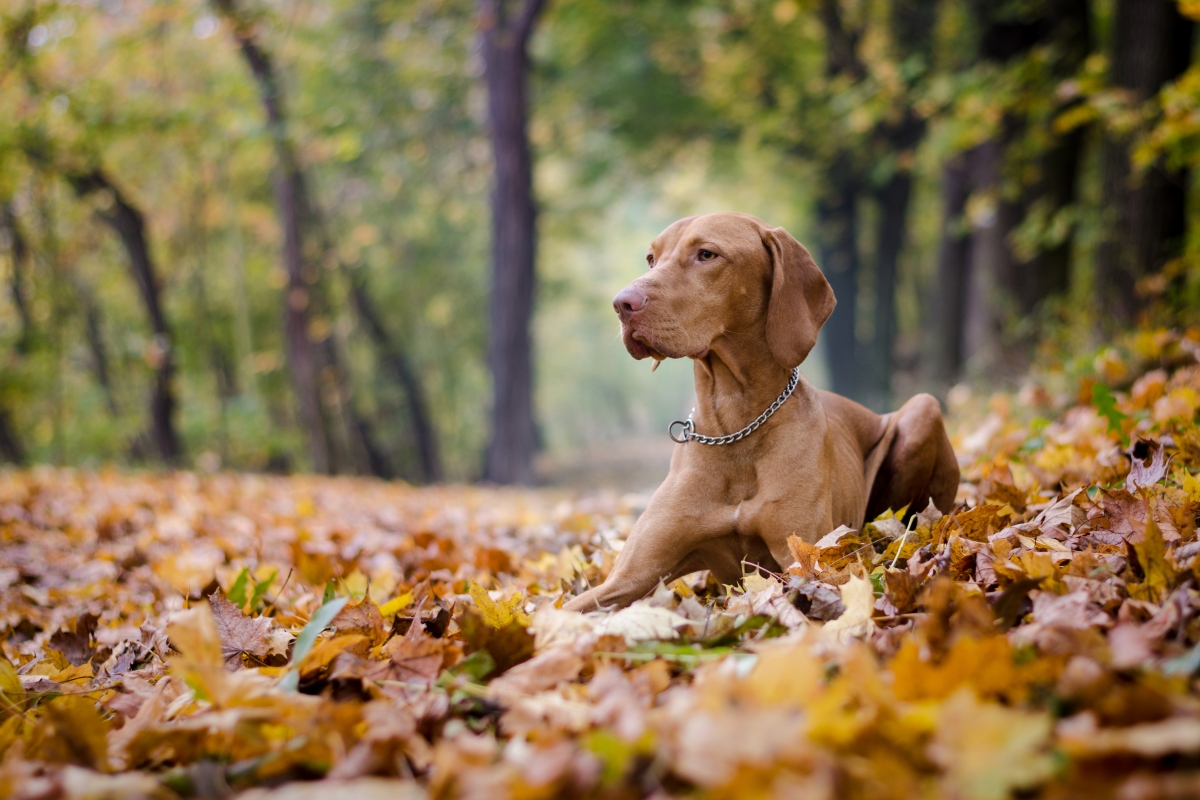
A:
801	299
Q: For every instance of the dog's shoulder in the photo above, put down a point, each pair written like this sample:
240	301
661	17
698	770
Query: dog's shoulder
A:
861	423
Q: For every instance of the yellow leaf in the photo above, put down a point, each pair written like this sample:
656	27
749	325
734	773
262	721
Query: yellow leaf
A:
987	750
10	729
74	678
70	730
193	634
396	604
1152	556
10	681
323	654
859	598
499	614
1190	483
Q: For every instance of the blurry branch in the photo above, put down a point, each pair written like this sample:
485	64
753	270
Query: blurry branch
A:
529	14
397	362
95	335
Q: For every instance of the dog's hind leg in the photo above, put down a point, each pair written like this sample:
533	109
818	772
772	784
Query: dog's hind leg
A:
919	464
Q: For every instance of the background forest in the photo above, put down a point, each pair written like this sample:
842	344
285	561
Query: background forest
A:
258	234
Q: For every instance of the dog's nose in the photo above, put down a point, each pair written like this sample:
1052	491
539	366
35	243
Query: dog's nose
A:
629	301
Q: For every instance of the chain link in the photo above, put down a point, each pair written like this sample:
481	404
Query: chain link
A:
688	427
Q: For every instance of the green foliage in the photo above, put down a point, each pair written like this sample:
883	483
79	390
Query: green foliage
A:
641	112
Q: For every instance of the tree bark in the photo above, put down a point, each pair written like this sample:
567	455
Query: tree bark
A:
303	363
128	223
504	41
1151	46
953	254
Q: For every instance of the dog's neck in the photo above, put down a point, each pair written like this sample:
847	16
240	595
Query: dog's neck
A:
727	398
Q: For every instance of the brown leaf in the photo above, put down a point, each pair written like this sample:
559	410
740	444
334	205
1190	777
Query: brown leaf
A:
539	674
508	646
239	633
820	601
1148	469
976	524
362	618
900	589
70	730
416	657
805	556
77	645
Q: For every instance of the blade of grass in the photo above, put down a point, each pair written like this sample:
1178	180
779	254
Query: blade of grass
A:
307	638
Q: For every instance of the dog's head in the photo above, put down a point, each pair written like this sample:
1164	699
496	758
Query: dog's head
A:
724	274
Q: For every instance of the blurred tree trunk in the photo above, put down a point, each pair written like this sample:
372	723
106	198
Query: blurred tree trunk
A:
1151	46
989	261
504	40
309	361
953	255
1055	192
11	448
997	287
837	247
913	23
129	225
837	216
303	364
892	200
18	290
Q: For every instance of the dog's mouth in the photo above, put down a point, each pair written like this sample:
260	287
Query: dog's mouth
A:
639	346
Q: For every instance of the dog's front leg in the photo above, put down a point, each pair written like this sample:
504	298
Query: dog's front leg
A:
661	546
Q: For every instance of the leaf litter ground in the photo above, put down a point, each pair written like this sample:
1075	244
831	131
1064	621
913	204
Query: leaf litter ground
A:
178	635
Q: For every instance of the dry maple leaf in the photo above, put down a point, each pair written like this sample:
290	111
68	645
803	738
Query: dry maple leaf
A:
239	633
1149	469
77	645
416	657
363	618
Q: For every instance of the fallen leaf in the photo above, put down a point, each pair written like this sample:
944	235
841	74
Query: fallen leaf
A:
987	750
240	635
1148	470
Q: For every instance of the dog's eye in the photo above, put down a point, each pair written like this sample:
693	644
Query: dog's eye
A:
650	260
707	255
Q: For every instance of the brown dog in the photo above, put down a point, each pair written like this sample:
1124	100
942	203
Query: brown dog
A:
744	301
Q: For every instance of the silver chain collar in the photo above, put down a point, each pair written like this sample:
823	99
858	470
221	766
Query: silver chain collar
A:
688	428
